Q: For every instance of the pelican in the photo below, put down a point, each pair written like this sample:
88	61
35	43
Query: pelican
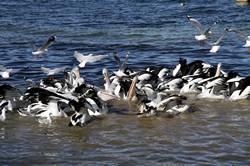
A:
81	116
204	33
45	47
242	91
107	93
80	119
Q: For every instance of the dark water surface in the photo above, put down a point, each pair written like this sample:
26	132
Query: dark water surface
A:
154	33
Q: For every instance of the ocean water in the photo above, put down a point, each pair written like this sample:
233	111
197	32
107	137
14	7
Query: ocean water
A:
155	33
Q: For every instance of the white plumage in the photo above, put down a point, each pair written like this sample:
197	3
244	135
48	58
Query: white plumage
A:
83	59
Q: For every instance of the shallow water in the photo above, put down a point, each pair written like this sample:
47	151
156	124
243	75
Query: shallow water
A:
154	33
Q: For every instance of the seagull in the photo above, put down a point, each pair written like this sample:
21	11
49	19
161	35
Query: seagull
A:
54	71
44	48
204	33
83	59
5	73
242	35
123	70
216	45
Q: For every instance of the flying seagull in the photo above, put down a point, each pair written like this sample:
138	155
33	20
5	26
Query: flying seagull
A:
204	33
216	45
90	58
242	35
45	47
53	71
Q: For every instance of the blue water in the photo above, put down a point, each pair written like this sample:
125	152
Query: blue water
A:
154	32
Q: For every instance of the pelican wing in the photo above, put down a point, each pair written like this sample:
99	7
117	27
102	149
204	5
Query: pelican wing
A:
236	79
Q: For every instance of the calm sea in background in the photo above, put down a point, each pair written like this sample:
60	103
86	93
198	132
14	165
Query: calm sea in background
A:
155	33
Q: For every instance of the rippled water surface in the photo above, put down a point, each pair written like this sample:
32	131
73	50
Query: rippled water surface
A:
154	32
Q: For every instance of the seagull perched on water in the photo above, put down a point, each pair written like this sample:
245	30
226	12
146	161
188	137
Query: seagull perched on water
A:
54	71
45	47
242	35
204	33
216	45
83	59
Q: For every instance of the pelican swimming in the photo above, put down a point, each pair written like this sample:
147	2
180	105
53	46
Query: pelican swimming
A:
45	47
242	91
81	116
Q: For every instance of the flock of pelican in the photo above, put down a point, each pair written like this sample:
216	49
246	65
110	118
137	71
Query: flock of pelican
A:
156	90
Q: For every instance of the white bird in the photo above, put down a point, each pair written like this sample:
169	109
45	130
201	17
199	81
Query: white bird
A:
242	35
53	71
45	47
83	59
216	45
5	73
203	32
123	70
